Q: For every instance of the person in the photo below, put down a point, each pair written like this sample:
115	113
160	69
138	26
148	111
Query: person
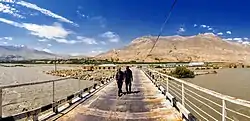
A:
128	79
119	80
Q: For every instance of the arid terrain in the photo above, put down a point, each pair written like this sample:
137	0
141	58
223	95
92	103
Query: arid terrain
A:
202	47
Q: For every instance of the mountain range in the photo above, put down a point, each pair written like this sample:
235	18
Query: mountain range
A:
202	47
23	53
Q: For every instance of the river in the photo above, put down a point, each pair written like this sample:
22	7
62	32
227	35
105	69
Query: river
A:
233	82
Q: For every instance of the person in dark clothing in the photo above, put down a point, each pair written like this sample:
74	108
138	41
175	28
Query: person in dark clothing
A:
128	79
119	80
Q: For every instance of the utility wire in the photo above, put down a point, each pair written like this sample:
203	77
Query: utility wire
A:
162	27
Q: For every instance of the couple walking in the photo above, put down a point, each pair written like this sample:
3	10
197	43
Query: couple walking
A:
120	76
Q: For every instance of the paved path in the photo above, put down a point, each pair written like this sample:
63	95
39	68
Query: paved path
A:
145	104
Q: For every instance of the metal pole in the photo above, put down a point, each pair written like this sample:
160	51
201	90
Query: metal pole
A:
223	110
1	101
55	64
182	94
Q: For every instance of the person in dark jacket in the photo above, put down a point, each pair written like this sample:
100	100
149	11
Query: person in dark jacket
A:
119	80
128	79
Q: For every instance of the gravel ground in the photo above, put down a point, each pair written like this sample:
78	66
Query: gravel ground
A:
16	100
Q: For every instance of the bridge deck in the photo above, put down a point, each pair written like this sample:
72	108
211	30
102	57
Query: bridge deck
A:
146	103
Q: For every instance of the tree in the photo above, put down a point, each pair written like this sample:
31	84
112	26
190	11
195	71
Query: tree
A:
182	72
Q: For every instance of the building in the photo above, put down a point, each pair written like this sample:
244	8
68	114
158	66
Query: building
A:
106	67
192	64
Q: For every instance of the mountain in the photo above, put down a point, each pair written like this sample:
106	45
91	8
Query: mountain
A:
23	52
202	47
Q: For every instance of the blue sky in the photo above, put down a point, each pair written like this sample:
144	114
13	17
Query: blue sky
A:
89	27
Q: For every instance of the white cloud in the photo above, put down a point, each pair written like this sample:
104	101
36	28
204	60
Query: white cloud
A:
195	25
228	39
245	38
49	45
86	40
220	33
210	29
43	40
6	38
229	32
181	29
237	39
5	43
111	36
246	43
35	7
55	31
10	10
203	26
47	50
44	11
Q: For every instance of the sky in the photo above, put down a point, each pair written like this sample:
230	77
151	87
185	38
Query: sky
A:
90	27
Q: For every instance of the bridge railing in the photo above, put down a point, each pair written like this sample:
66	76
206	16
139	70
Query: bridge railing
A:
205	104
53	103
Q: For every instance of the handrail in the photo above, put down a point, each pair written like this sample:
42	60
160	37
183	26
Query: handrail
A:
55	103
213	93
185	91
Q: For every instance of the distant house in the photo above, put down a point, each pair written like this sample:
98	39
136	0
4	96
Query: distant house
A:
106	66
192	64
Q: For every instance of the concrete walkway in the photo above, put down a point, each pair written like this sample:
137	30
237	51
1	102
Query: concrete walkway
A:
146	103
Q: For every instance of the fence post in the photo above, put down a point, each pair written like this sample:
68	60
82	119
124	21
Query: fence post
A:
182	94
223	110
1	101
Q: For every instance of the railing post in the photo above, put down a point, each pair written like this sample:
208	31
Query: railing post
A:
167	84
1	101
182	94
223	110
54	106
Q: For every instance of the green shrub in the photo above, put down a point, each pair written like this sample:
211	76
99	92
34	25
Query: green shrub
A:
182	72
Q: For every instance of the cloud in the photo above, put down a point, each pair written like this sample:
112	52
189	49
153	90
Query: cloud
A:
195	25
245	38
111	36
43	40
229	32
6	38
210	29
246	43
43	31
228	39
203	26
237	39
5	43
220	33
42	10
10	10
47	50
86	40
49	45
181	30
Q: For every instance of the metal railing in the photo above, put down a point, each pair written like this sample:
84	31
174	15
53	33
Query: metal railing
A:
55	103
205	104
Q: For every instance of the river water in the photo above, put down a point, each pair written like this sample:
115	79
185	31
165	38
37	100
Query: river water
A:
232	82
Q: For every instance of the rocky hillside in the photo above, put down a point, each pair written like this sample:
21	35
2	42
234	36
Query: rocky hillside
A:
202	47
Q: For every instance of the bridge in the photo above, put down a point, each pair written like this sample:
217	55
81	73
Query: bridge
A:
155	97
